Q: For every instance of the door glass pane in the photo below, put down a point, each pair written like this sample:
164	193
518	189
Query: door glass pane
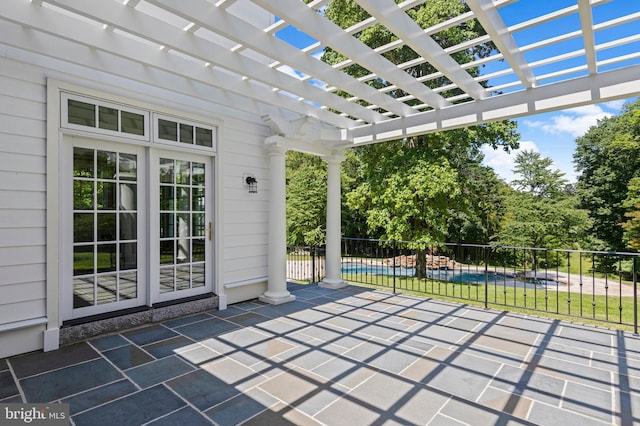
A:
128	167
106	162
182	172
105	228
107	289
83	289
83	162
106	196
107	258
166	171
82	195
83	227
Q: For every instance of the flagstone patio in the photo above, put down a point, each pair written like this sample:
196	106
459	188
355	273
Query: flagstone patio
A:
352	356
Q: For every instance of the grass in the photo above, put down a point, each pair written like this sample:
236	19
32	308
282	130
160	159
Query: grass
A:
612	311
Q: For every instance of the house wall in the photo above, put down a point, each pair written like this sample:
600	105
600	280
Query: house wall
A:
242	217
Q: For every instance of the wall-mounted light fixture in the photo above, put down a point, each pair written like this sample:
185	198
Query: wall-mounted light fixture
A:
252	183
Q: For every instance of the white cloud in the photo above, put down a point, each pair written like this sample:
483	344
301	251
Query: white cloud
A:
615	105
503	162
575	121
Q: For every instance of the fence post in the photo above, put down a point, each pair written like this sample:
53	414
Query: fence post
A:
313	265
635	296
486	278
394	253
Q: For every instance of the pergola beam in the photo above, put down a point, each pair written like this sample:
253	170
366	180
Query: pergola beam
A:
602	87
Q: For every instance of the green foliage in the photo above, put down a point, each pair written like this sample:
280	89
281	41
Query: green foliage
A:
306	199
608	157
536	176
540	214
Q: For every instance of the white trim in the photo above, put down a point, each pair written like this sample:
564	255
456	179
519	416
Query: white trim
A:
243	283
17	325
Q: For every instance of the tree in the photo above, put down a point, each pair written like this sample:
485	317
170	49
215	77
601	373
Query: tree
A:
536	176
539	214
608	159
306	199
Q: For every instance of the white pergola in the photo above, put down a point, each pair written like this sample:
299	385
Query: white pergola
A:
235	52
226	49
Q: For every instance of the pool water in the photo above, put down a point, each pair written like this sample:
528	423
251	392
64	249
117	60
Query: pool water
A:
438	274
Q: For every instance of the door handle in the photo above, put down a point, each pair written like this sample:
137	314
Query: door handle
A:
209	231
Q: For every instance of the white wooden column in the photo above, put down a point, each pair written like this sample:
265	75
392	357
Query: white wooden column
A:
277	292
333	262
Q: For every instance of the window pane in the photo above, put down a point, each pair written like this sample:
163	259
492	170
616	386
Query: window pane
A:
128	226
182	277
108	118
107	257
166	279
132	123
198	174
182	172
183	199
167	222
82	195
83	162
83	260
198	225
183	225
204	137
83	292
183	254
128	196
167	130
106	227
128	285
186	134
167	252
106	196
128	167
166	170
107	289
81	113
198	250
128	256
197	275
83	227
166	197
107	165
197	199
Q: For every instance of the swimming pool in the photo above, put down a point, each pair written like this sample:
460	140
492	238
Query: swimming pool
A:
453	275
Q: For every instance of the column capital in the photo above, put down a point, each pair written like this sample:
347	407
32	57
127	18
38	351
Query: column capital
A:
276	145
335	157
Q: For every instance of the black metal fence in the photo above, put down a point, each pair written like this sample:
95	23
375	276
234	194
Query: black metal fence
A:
305	264
591	285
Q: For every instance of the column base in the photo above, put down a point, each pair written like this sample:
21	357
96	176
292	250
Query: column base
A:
277	299
332	283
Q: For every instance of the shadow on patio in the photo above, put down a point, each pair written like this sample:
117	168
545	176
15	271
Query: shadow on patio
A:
352	356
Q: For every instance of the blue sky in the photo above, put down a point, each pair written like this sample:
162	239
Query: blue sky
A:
553	135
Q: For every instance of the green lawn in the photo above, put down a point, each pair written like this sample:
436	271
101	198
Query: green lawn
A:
611	311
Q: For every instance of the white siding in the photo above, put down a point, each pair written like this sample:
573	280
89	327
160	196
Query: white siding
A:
22	193
23	179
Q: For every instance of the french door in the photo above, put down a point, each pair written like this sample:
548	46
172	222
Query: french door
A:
137	224
181	225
